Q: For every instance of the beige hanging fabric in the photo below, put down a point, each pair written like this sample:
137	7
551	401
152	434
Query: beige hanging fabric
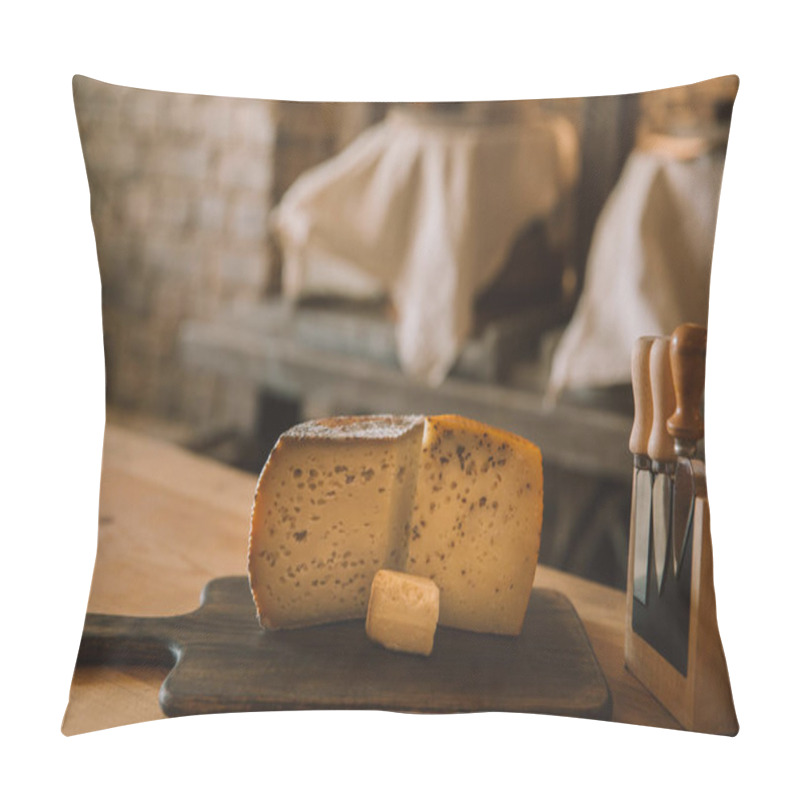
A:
648	269
424	211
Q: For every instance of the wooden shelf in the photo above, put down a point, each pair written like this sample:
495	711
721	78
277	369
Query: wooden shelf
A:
259	344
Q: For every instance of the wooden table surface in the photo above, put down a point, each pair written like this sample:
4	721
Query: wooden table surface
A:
170	521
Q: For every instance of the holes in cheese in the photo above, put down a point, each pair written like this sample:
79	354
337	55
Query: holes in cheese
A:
443	498
476	523
331	509
403	612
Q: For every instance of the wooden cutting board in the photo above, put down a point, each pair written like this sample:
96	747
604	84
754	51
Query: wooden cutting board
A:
223	661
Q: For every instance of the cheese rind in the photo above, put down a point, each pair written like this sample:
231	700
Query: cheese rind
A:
403	612
331	509
476	523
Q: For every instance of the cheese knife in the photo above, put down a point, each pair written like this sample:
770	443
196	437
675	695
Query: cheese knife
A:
642	476
687	361
661	450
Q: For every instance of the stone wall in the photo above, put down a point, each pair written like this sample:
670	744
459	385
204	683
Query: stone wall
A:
180	192
181	189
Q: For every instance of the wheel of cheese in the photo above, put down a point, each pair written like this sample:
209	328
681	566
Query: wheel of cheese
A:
444	498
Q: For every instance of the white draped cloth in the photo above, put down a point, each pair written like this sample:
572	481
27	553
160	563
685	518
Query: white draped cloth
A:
648	270
424	211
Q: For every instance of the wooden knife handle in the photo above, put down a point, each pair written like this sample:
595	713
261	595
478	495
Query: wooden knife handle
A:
661	446
687	355
642	396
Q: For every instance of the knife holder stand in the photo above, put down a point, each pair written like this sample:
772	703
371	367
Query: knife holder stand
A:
701	699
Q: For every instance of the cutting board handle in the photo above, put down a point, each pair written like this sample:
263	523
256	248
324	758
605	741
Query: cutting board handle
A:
109	638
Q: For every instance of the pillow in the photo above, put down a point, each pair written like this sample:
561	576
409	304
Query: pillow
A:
265	263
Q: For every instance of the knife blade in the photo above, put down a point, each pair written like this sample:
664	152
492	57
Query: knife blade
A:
642	477
661	450
687	361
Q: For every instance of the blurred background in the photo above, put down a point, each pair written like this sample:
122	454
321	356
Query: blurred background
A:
266	262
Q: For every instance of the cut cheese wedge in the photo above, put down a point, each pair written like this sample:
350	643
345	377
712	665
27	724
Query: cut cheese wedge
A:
476	523
331	509
444	498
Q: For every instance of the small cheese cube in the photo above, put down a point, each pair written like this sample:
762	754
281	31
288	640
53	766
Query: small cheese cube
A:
403	612
476	523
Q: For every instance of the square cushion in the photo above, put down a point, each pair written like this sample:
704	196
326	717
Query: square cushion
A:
550	234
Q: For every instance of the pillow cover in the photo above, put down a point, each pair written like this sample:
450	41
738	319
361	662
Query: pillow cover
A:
269	262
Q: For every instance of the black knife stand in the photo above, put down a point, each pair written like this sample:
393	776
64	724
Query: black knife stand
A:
689	678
